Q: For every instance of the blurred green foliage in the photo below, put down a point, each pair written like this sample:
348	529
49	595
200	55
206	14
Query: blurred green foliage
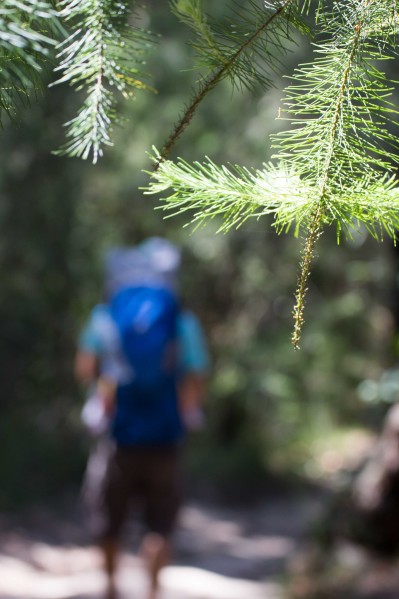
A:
266	402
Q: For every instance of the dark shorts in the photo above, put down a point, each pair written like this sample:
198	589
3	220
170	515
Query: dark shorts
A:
147	477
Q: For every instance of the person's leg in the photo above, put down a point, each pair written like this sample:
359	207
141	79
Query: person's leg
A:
109	550
155	550
161	504
115	499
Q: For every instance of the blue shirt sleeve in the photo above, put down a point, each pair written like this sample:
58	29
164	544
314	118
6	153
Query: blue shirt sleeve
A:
194	355
89	338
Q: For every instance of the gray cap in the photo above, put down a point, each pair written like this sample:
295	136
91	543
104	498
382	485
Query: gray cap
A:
154	262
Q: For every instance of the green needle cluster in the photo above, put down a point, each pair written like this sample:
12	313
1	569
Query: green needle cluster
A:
246	49
102	54
27	30
336	163
334	166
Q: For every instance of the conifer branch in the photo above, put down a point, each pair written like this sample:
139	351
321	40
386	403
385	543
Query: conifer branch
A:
305	267
28	33
337	162
315	229
279	10
101	55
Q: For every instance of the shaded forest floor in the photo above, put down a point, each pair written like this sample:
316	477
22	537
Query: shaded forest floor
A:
262	551
221	553
345	572
258	550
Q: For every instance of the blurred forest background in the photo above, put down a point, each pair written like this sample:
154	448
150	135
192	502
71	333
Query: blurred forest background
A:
270	409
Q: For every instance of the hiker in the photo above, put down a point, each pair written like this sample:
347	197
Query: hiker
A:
147	361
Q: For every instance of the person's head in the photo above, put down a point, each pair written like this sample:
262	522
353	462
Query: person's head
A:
155	262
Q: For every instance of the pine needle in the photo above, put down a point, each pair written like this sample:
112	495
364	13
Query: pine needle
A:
337	163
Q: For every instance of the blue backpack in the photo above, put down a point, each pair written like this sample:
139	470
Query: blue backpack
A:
146	318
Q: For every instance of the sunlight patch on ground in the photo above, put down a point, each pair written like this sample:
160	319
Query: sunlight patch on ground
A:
220	553
22	581
197	583
67	573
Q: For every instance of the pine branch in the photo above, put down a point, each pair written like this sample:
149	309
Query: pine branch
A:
337	163
305	266
234	193
337	123
28	32
101	55
246	55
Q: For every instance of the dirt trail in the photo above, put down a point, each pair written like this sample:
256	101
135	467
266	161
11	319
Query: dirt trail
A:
221	553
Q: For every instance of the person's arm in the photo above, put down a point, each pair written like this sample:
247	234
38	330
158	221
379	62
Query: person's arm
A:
86	366
192	388
87	356
194	368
